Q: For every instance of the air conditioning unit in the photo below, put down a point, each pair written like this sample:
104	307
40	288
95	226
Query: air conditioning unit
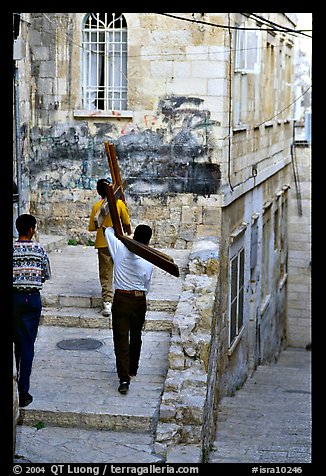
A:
18	49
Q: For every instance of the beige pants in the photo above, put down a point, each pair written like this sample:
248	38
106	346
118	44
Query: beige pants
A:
105	269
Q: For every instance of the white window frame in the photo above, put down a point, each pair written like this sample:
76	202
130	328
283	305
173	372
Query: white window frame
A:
247	51
266	256
284	235
104	62
247	60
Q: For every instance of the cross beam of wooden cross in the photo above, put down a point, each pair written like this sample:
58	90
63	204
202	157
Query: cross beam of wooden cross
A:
115	191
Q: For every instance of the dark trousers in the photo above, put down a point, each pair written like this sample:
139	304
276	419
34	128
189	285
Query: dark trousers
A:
27	308
128	317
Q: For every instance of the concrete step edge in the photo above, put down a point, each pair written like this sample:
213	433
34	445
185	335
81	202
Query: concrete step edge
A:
70	300
159	320
99	421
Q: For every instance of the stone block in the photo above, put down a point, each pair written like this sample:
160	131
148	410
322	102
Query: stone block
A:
167	432
182	453
77	301
167	412
205	306
191	215
193	409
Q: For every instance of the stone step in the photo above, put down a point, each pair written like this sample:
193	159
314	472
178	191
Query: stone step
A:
93	318
75	281
142	419
51	444
80	300
79	388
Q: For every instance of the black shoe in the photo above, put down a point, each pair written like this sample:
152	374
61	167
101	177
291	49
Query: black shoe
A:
123	388
25	400
132	374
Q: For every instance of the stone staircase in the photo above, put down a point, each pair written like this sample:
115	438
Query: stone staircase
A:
75	388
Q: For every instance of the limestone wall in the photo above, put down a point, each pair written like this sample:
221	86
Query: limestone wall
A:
176	219
299	264
173	138
186	415
257	222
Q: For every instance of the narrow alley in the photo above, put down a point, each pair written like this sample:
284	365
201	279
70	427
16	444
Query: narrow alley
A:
78	416
202	124
269	419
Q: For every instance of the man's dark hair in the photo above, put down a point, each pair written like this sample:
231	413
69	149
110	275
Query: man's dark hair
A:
143	234
100	186
24	223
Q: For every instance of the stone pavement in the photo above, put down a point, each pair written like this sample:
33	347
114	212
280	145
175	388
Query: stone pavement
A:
269	419
78	416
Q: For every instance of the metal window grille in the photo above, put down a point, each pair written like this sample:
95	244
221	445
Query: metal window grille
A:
104	82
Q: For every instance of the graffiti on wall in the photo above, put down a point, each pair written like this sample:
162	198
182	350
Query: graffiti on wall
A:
172	153
169	152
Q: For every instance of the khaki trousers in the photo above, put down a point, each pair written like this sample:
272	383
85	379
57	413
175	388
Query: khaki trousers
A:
105	270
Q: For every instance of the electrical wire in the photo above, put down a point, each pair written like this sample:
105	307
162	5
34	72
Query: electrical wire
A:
285	28
287	107
256	126
230	51
231	27
250	129
109	56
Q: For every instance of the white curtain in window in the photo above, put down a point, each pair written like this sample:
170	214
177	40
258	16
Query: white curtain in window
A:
105	62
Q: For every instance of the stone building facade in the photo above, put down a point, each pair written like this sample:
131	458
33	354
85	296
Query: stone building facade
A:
299	260
201	119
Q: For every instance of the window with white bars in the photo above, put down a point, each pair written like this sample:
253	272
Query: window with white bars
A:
104	68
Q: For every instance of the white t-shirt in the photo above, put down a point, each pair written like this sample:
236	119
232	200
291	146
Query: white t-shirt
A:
131	272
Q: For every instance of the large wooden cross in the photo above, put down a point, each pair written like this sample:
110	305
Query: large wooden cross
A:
115	191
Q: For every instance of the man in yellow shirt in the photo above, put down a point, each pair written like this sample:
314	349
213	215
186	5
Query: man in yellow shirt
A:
105	262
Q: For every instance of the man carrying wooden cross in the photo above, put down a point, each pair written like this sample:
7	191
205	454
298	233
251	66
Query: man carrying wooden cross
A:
133	268
132	278
100	217
114	192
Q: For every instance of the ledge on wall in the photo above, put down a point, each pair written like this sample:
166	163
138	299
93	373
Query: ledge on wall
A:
98	114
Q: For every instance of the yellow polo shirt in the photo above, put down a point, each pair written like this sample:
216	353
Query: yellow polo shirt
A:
100	241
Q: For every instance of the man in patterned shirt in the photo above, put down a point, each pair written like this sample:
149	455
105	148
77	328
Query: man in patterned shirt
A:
31	267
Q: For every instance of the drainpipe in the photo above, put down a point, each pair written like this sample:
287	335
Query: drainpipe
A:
18	156
17	56
230	105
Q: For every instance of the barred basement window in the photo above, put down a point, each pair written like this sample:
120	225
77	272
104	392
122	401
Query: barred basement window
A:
104	67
